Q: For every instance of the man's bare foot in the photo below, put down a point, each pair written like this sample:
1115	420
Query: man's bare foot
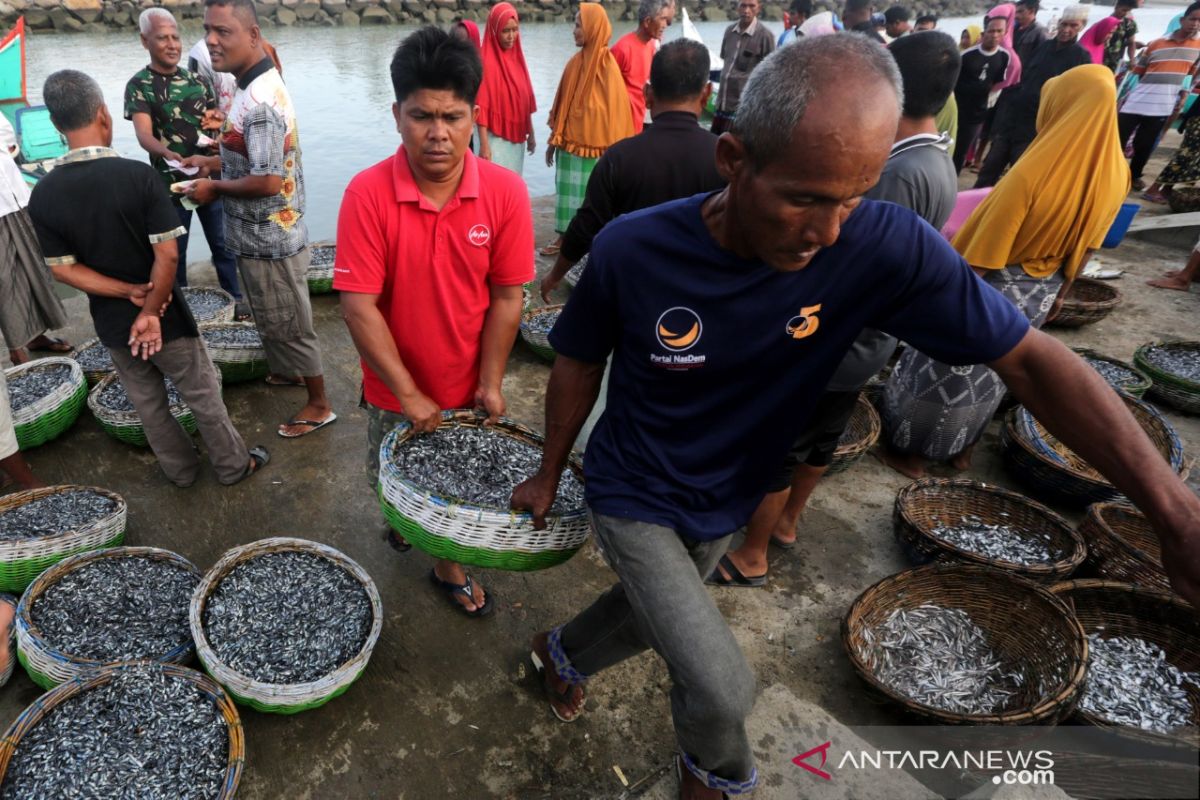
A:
1177	283
1175	273
909	465
962	461
18	356
314	416
566	699
451	572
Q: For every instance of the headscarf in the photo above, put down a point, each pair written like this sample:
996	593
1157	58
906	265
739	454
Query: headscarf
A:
1008	11
974	33
1095	37
591	108
472	31
505	97
1062	195
820	24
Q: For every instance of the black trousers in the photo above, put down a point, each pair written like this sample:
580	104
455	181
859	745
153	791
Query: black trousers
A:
1005	150
1145	131
966	134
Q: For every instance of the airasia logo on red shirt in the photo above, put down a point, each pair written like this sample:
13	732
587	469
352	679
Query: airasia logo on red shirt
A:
479	235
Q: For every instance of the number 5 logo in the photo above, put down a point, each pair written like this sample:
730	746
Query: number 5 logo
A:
805	324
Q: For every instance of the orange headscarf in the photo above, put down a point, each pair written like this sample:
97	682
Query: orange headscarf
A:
591	108
1060	198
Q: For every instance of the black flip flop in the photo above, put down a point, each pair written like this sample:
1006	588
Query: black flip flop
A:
260	457
397	543
782	545
736	579
53	345
540	668
467	590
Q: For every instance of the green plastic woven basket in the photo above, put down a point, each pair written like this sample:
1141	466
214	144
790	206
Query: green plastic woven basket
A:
126	426
537	340
320	269
48	417
236	363
1175	391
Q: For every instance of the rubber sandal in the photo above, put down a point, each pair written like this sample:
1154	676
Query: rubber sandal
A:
271	380
540	668
53	345
467	590
316	426
781	544
241	312
259	457
736	579
550	250
397	543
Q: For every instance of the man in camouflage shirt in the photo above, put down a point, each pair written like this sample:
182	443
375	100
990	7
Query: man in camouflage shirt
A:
1121	42
170	108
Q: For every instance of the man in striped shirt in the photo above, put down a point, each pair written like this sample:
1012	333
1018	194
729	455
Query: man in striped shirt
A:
1161	68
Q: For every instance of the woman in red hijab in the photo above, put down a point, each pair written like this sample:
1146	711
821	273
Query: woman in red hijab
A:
506	102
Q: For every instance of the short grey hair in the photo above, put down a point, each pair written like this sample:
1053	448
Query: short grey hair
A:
781	87
72	98
649	9
147	17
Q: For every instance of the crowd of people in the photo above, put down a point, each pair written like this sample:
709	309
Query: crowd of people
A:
781	255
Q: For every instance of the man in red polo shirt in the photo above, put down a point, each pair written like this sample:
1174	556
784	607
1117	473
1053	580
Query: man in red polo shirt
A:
433	248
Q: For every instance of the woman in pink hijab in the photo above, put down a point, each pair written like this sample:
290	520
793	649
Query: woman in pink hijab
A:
1095	37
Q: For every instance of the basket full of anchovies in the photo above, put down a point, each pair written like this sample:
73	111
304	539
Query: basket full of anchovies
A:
1143	674
236	349
112	408
285	625
46	397
320	267
965	520
208	304
1175	369
575	273
448	493
41	527
1120	375
964	644
140	729
95	360
105	606
536	324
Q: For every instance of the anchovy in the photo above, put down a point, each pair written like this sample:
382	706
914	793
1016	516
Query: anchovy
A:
114	398
1183	363
95	357
69	510
34	384
322	256
204	303
1115	374
238	336
1130	682
542	323
999	541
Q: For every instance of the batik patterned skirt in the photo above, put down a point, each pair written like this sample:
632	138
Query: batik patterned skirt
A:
570	184
28	304
1185	165
936	410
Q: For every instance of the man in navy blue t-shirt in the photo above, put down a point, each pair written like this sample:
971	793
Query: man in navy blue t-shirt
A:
725	316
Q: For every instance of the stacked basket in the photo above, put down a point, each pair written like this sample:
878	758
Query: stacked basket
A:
126	426
237	362
48	417
94	376
1088	300
533	335
861	434
1174	390
1123	547
320	267
224	300
22	560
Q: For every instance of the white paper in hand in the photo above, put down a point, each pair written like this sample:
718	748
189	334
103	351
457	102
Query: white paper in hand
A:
178	166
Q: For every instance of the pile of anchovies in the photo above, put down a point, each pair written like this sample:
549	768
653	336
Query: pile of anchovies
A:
998	541
55	513
236	336
287	618
478	466
542	323
34	384
204	303
576	272
95	357
1177	361
322	256
143	735
938	657
116	609
1115	374
1131	683
114	397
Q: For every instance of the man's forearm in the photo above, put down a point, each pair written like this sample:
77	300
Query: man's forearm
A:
162	276
570	395
249	186
154	147
499	332
375	345
88	281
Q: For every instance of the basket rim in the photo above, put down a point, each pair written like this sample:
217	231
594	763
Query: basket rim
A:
1144	380
403	432
343	673
10	501
235	324
51	575
1112	292
1097	513
907	497
34	713
1045	708
529	314
51	400
864	406
111	416
1139	358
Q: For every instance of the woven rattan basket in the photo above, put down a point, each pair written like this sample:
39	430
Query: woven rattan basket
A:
48	417
926	504
236	363
1138	382
47	666
1184	199
1177	392
223	314
861	434
22	560
573	275
1027	627
282	698
1123	547
1051	470
126	426
40	708
1122	609
538	341
1088	300
320	268
94	375
495	537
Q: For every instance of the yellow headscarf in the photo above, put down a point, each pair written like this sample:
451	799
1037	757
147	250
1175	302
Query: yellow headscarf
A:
974	33
1061	197
591	108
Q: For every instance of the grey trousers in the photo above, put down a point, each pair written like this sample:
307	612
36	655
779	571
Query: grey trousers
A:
277	291
661	603
187	364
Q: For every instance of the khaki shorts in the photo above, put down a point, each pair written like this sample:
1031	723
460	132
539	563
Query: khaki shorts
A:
277	291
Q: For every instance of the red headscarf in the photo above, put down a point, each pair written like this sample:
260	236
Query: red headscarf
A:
505	97
472	31
1095	37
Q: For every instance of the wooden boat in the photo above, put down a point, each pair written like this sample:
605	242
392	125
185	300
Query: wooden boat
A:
40	145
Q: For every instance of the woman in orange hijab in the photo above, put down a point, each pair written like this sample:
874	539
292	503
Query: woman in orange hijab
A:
506	102
590	114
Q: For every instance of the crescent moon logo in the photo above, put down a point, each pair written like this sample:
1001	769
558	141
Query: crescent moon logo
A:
678	329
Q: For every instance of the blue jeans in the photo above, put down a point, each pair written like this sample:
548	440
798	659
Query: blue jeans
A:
212	220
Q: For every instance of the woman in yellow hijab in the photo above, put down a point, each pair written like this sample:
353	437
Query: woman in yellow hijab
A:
970	37
590	114
1029	238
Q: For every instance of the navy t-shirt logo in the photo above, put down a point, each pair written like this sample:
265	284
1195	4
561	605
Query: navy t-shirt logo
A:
678	329
805	323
